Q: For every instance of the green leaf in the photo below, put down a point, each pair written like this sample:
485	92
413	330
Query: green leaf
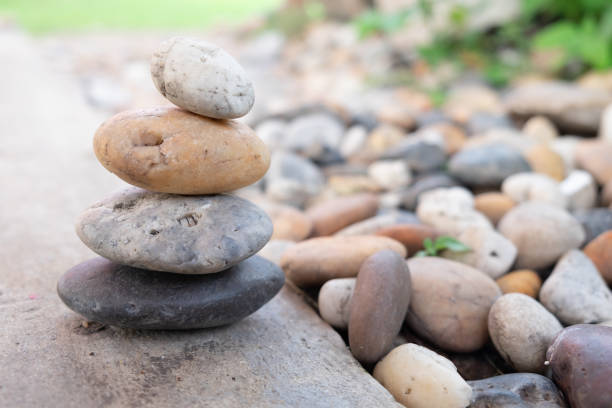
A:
429	247
420	254
557	35
450	243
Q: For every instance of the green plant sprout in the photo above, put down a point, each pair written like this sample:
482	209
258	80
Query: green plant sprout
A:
433	248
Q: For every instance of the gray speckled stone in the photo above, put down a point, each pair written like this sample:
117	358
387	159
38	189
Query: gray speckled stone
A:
520	390
201	78
488	165
316	136
575	292
292	179
420	156
122	296
594	221
410	195
172	233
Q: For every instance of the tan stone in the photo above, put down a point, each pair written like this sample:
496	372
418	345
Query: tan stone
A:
523	281
331	216
450	303
595	157
493	205
540	129
173	151
317	260
289	222
453	136
345	185
521	330
384	137
420	378
334	301
397	115
543	159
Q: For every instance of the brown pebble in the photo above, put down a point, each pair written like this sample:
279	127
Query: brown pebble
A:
289	223
544	160
411	235
317	260
493	205
332	215
378	305
581	363
594	157
599	252
523	281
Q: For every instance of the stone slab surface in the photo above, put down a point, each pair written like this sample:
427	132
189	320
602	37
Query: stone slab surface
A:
283	355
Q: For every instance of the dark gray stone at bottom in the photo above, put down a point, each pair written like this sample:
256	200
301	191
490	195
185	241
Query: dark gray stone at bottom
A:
123	296
520	390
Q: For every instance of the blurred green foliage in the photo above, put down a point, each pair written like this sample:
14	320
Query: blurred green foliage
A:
574	35
42	16
292	21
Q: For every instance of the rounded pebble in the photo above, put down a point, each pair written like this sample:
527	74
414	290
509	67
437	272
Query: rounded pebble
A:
202	78
170	150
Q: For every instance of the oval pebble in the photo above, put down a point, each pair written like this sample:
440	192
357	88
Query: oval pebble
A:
521	330
122	296
170	150
172	233
420	378
317	260
335	301
202	78
378	305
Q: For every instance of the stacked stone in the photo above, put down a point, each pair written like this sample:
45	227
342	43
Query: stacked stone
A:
176	252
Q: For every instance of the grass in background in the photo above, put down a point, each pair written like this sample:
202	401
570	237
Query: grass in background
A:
41	16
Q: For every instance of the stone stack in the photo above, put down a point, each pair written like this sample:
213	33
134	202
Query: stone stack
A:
176	252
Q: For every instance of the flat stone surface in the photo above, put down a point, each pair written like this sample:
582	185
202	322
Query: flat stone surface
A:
172	233
123	296
283	355
45	354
